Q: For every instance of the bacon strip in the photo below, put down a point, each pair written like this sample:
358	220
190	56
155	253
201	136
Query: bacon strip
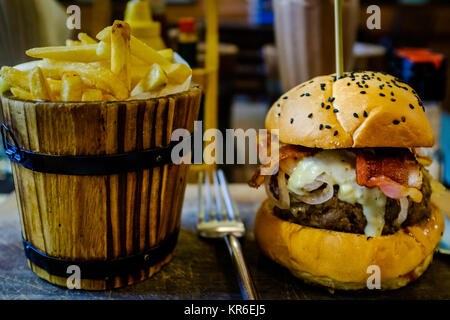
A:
393	189
395	171
397	164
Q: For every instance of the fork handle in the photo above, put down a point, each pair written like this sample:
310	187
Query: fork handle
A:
245	280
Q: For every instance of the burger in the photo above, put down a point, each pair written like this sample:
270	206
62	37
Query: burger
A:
351	194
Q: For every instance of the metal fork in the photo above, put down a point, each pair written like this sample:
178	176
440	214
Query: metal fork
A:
219	218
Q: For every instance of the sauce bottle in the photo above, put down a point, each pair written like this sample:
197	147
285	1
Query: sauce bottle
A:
138	16
187	41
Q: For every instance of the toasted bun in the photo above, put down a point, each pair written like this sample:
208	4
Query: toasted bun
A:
340	260
357	120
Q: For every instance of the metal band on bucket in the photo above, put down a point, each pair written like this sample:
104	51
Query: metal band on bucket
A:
85	165
102	269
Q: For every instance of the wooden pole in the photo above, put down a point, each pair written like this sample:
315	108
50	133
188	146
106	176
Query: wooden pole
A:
338	37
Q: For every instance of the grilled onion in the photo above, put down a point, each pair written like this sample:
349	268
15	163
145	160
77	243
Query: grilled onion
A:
283	201
403	214
318	196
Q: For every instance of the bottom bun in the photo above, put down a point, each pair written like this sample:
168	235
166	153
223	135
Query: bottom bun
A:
340	260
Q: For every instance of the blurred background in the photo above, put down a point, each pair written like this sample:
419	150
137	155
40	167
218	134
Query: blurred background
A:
264	48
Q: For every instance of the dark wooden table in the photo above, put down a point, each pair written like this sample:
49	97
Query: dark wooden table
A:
200	269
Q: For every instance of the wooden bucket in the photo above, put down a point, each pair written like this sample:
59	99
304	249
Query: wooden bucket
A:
115	222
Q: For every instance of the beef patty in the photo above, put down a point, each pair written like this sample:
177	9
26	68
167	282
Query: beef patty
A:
338	215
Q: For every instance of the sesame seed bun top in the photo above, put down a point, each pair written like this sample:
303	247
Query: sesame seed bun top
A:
360	109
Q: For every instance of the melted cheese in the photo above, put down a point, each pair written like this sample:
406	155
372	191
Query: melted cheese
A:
340	166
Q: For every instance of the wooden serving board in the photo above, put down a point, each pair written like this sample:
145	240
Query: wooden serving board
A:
199	269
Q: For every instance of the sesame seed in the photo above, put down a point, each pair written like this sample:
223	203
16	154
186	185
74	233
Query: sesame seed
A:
321	127
328	127
332	99
363	82
393	100
365	113
392	93
302	95
278	105
366	86
382	94
395	122
389	86
285	97
363	92
278	114
328	107
411	106
335	133
307	94
355	115
348	83
310	115
322	104
335	110
292	120
403	119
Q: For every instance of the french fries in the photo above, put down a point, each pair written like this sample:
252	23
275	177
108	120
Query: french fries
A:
120	51
81	53
38	85
55	88
168	54
15	78
92	76
92	95
21	94
176	72
4	85
112	67
155	79
103	50
85	39
72	87
105	34
71	43
108	97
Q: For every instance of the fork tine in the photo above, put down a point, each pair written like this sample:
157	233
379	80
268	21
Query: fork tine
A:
221	210
226	195
217	192
209	199
201	200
